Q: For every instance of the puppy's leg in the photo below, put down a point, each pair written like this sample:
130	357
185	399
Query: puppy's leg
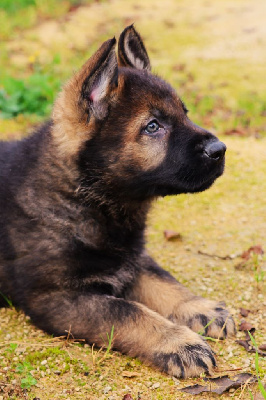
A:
159	291
138	331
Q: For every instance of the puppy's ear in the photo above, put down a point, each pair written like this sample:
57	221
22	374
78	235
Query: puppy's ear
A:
89	93
99	78
90	90
131	50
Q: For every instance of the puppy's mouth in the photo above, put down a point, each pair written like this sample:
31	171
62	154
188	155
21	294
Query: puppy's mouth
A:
203	184
193	184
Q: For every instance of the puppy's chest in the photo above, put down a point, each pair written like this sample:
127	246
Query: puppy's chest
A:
103	257
101	270
100	233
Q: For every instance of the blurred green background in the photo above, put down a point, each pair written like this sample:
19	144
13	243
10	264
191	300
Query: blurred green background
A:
212	52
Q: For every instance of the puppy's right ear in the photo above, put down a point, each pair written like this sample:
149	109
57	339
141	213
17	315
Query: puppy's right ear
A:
131	50
90	90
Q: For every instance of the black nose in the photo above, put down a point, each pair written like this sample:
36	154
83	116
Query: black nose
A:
215	150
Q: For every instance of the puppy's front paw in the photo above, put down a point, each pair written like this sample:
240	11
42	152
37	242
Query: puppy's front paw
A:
185	355
207	317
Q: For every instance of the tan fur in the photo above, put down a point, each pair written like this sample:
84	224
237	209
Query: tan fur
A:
159	295
68	131
75	200
145	155
199	305
152	334
174	301
71	125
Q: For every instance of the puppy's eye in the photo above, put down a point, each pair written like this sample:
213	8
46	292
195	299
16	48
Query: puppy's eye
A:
152	127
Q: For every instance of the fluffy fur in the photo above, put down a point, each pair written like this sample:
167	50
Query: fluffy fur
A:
73	204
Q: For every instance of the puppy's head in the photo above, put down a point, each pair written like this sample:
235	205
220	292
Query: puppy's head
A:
129	131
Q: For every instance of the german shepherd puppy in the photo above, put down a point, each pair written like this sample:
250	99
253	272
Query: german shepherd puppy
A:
74	200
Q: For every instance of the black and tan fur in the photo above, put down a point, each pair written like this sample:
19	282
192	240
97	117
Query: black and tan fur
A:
73	205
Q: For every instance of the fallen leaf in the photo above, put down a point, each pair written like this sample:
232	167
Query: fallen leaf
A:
129	374
235	132
169	24
179	67
246	344
221	384
128	397
224	84
256	250
172	235
244	312
247	326
246	256
253	249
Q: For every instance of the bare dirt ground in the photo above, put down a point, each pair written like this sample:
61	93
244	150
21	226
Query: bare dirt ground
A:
219	41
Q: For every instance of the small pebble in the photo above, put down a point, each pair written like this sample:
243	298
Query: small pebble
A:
177	382
156	385
107	389
44	362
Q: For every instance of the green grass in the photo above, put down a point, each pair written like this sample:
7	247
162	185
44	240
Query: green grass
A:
15	5
6	299
34	95
259	371
27	380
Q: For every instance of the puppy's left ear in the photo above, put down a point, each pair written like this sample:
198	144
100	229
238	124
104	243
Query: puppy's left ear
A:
91	90
101	80
131	50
